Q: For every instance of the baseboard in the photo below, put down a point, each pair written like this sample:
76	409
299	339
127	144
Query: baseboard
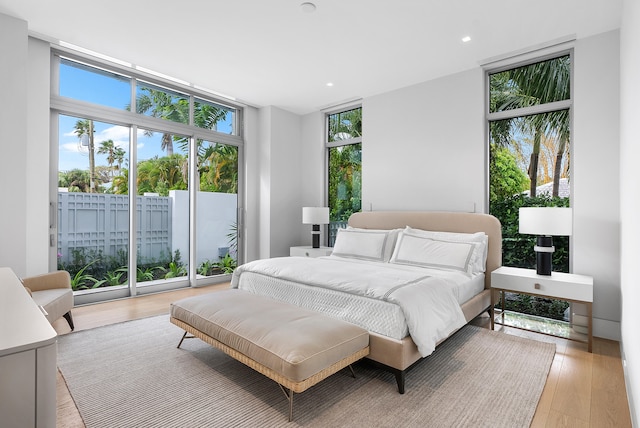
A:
628	384
606	329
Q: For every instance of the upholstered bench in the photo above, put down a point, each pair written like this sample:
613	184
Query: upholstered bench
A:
293	346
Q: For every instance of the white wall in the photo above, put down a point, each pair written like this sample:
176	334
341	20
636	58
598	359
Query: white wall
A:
37	151
596	181
313	177
263	178
280	184
250	172
630	199
13	145
424	146
216	213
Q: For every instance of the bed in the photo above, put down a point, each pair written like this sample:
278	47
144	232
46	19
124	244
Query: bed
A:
397	275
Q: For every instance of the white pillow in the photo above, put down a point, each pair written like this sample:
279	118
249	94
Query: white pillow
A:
365	244
416	250
479	259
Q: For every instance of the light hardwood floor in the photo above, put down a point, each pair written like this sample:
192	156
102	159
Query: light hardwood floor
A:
583	389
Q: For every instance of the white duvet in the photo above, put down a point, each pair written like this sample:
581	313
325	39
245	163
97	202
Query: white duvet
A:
428	301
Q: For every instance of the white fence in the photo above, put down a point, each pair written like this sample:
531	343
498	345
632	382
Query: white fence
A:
99	223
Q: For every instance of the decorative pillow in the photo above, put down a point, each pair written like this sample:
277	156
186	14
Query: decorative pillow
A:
422	251
365	244
480	239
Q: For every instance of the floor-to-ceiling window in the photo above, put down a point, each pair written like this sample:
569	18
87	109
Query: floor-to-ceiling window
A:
148	180
529	110
344	146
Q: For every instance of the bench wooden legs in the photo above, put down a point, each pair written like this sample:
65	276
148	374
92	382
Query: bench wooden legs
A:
289	394
287	385
184	336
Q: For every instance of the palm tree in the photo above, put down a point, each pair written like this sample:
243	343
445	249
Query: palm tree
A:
345	125
118	155
121	183
108	148
345	174
535	84
76	180
161	175
218	168
207	116
84	128
166	106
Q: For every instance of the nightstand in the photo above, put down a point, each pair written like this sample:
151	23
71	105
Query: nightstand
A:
310	252
562	286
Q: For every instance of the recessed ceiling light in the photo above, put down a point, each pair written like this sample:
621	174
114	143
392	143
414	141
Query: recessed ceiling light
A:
466	39
308	7
329	84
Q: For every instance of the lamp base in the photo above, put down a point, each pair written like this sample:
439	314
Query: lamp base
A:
544	250
315	236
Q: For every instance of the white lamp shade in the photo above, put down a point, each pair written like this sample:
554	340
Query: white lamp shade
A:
315	215
548	221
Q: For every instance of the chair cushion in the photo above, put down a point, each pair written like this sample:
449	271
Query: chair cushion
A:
56	301
290	340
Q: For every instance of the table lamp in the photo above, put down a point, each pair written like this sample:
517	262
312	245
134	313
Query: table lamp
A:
545	222
315	216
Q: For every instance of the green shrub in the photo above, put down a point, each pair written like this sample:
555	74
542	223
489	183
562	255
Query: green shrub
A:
517	251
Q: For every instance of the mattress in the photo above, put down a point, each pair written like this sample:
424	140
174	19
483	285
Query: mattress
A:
372	307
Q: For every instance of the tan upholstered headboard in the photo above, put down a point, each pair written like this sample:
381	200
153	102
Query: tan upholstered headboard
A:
439	221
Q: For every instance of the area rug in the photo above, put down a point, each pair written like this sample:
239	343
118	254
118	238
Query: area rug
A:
132	375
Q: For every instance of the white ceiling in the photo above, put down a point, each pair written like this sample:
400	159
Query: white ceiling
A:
270	52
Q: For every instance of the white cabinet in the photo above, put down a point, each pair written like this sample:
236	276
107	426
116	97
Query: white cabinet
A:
310	252
558	285
28	350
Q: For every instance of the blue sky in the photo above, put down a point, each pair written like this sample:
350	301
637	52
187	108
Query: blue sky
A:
109	90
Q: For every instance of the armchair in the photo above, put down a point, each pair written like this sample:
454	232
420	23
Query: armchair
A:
53	292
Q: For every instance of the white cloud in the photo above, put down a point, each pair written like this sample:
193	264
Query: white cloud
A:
118	134
70	147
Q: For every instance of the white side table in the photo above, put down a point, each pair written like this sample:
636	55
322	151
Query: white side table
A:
308	251
558	285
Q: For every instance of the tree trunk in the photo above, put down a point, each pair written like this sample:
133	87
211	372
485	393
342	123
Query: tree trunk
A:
533	165
557	170
556	175
167	143
92	161
533	174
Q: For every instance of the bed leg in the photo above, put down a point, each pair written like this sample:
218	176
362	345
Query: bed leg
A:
400	377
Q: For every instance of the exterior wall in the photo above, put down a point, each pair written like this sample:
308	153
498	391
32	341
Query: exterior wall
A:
216	218
99	224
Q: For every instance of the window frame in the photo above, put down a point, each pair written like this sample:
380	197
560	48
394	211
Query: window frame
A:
333	144
523	61
61	105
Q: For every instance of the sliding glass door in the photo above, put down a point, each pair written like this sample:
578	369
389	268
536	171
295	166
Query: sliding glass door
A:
148	183
93	202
